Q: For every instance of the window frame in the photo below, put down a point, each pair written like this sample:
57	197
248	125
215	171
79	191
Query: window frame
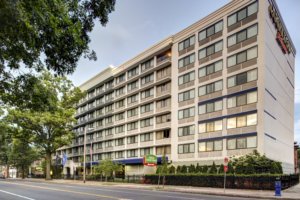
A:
247	14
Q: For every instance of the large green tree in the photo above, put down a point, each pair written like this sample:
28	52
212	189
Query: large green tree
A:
46	111
5	143
51	33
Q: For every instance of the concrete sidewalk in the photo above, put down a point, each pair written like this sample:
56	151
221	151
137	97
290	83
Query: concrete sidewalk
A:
291	193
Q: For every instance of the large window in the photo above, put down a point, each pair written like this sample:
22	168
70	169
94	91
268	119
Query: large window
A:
132	139
186	60
211	126
148	64
186	148
147	108
187	95
120	91
120	78
242	143
186	113
120	129
120	116
242	121
132	99
242	14
242	35
146	137
119	154
146	122
147	79
163	118
242	57
133	72
210	88
146	151
186	43
217	27
210	69
147	93
163	150
119	141
133	112
214	48
120	104
243	99
216	145
132	153
210	107
186	130
133	85
186	78
132	126
242	78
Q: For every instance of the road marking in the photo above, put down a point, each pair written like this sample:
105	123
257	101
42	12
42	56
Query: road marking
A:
61	190
16	195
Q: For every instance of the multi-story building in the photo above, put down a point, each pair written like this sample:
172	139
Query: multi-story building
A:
222	87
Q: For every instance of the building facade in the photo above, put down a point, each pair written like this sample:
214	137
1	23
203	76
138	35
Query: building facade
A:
222	87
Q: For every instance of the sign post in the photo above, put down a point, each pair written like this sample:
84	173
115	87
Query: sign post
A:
225	170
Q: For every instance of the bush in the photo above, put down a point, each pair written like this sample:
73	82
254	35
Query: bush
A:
183	169
192	169
172	169
213	169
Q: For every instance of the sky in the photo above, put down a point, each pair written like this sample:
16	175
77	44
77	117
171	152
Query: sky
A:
136	25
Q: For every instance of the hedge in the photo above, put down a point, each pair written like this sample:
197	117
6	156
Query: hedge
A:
256	181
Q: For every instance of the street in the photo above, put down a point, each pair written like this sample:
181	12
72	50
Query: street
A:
18	190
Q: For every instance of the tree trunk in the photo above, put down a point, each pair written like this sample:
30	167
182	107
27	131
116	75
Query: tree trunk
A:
23	173
7	171
48	164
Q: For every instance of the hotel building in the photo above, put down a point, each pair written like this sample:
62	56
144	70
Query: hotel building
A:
222	87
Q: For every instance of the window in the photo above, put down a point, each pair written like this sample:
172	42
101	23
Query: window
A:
133	72
242	14
216	145
242	121
146	137
211	30
211	126
120	104
147	79
120	78
120	116
146	151
186	113
242	78
120	129
148	64
163	87
163	118
186	148
186	78
210	107
147	93
109	143
163	103
186	130
119	154
132	153
242	143
214	48
132	112
146	122
186	60
147	108
132	126
242	57
119	142
210	69
186	43
120	91
187	95
243	99
132	86
163	134
163	150
210	88
132	99
242	35
132	139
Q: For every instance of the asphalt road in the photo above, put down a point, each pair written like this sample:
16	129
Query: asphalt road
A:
20	190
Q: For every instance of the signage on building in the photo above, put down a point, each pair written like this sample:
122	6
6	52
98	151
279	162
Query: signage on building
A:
281	36
150	160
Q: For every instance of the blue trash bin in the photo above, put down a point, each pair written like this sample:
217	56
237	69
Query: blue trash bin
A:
278	187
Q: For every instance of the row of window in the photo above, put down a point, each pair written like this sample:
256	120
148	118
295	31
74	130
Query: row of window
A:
218	27
217	145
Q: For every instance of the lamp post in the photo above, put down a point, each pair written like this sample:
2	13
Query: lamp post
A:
84	151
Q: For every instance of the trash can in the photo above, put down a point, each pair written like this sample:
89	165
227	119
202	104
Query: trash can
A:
278	187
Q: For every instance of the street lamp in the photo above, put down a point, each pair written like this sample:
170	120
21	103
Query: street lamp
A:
84	151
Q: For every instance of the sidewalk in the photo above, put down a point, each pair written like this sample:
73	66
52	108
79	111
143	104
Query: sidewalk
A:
291	193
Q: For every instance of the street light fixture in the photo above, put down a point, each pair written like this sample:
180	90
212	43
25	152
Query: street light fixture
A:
84	151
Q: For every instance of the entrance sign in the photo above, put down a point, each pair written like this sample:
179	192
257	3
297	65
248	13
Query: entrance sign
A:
150	160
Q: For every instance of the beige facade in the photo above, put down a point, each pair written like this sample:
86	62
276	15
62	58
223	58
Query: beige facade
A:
221	87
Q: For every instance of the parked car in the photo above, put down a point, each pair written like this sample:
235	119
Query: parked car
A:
2	176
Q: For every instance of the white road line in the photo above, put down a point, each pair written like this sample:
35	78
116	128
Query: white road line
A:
16	195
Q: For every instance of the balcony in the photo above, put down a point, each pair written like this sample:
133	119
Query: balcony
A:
164	60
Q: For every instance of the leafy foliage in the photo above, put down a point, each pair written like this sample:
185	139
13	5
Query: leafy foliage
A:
107	167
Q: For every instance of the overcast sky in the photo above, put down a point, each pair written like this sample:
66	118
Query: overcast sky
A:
138	24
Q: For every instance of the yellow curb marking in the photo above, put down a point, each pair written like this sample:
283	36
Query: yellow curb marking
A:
61	190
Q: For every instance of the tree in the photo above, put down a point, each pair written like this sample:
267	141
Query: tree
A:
107	167
192	169
184	169
213	169
172	169
49	122
5	143
55	30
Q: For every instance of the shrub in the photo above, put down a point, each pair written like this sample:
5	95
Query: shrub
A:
192	169
172	169
213	169
183	169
